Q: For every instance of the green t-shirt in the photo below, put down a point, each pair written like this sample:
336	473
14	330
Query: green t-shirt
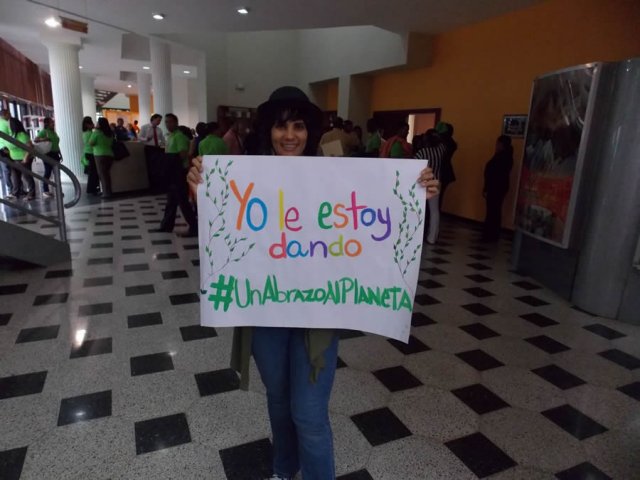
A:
102	145
178	142
16	153
86	136
52	136
88	149
396	150
4	128
374	143
212	145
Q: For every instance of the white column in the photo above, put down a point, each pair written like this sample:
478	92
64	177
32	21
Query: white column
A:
161	76
67	101
202	89
144	97
88	96
344	92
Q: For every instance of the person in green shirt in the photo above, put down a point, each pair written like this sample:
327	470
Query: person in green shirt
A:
17	154
177	162
88	160
6	129
374	142
101	141
212	144
48	134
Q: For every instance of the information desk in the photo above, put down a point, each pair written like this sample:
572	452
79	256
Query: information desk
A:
130	173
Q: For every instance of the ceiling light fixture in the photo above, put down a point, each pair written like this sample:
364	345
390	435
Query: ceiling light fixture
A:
158	16
243	11
80	67
52	22
129	86
146	68
186	71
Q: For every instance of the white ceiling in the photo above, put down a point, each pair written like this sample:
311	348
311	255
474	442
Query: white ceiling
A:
21	22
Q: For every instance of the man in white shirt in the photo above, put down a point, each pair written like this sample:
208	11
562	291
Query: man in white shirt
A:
153	139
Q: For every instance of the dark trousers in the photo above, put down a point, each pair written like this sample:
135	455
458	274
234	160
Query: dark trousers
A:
103	165
156	166
443	188
493	220
93	179
55	156
177	195
16	180
6	171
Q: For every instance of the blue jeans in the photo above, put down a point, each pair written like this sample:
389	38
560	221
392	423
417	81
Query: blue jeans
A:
298	408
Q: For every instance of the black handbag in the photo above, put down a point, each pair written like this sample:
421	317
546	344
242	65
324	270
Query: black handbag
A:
120	150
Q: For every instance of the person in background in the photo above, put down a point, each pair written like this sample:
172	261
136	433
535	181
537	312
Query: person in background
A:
101	141
131	132
122	134
19	155
153	139
136	128
337	133
397	146
212	144
48	134
4	152
374	139
88	160
433	151
297	365
252	140
447	175
234	138
177	161
354	141
496	185
201	133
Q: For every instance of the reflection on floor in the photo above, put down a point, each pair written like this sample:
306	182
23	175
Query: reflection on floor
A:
104	372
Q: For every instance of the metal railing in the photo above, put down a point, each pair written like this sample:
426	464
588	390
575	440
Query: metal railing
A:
57	219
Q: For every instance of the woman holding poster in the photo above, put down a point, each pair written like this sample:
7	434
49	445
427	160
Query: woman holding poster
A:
297	366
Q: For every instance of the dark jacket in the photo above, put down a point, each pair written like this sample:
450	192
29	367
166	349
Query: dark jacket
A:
497	173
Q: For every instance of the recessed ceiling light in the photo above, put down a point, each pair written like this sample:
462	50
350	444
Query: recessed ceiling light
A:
80	67
158	16
129	86
52	22
186	71
146	68
243	11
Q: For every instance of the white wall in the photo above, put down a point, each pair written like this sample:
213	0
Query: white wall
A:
264	61
327	53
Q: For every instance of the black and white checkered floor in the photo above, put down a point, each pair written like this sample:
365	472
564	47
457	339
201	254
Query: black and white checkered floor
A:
104	372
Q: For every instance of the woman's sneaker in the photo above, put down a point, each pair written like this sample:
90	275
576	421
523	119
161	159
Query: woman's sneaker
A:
278	477
47	194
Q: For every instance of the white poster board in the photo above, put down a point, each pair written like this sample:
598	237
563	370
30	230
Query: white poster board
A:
311	242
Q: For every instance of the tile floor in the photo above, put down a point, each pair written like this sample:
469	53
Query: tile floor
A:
105	374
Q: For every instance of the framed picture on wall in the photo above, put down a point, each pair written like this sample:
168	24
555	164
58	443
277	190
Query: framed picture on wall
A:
554	148
514	125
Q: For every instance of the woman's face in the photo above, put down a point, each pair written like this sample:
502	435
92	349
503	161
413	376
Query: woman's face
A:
290	138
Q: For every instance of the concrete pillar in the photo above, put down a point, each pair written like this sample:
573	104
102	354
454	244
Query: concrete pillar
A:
67	101
354	99
161	76
88	96
344	91
144	98
201	90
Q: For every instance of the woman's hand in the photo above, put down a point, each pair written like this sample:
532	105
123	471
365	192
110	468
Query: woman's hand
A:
194	176
428	181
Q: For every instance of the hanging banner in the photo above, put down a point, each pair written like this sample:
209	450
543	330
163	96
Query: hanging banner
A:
310	242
